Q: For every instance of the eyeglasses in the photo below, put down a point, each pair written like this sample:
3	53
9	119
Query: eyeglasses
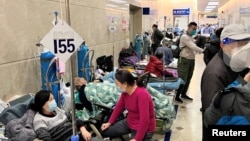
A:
229	41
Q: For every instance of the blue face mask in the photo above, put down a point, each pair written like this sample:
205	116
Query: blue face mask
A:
120	90
52	106
193	32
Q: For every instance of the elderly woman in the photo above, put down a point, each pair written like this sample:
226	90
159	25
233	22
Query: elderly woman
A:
51	123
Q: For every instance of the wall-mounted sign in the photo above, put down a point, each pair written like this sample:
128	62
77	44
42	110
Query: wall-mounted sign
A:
112	28
212	16
145	11
181	12
244	10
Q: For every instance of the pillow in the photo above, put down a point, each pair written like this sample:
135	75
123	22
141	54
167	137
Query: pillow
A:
15	111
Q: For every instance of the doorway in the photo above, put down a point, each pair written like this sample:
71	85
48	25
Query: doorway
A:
135	21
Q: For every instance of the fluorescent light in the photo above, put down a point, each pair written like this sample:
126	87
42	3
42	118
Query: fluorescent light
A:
213	3
210	7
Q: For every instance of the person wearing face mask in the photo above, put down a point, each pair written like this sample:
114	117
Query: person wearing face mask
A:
186	61
218	74
230	106
51	123
140	120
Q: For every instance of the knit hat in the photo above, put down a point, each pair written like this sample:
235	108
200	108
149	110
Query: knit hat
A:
41	98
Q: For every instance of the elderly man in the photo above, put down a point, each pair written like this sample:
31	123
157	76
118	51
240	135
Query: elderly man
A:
218	73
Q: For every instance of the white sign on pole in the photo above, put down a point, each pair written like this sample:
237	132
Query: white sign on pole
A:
62	41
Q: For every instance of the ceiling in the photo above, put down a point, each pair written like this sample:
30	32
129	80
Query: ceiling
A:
202	4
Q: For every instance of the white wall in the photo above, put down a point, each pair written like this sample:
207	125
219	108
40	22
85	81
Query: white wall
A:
165	8
25	22
230	13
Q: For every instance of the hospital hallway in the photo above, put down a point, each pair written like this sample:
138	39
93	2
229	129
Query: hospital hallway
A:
188	125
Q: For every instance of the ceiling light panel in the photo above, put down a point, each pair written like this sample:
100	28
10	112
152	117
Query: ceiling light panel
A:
213	3
207	9
210	7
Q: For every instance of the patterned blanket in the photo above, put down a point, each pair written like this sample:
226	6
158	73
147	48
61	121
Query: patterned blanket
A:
106	94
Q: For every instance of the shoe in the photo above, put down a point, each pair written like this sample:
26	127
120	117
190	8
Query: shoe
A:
186	97
178	100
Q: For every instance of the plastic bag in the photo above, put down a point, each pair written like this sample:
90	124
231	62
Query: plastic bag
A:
65	96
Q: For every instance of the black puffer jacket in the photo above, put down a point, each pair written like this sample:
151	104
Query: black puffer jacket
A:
211	49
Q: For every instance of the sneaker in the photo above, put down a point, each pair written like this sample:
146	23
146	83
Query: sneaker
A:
178	100
186	97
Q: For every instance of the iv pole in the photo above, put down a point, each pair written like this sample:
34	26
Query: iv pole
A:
113	25
164	54
72	59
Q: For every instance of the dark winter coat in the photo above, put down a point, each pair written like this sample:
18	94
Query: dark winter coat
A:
216	76
156	37
211	49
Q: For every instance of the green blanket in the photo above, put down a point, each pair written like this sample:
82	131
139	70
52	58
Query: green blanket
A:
106	94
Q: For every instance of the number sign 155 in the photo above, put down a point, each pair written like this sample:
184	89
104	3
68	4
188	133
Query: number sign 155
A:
64	45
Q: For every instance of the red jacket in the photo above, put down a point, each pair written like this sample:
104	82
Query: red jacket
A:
155	66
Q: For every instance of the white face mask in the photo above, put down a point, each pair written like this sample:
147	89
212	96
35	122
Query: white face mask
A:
240	59
173	47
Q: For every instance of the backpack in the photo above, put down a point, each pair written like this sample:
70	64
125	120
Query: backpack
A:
126	52
127	57
177	51
105	63
228	107
128	61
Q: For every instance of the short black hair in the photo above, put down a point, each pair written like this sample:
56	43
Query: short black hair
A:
218	32
159	54
155	25
40	99
124	76
192	23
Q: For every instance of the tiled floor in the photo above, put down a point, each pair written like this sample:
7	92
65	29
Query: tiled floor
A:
187	126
